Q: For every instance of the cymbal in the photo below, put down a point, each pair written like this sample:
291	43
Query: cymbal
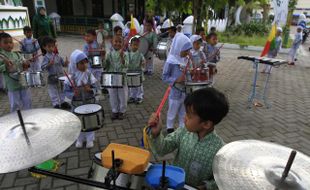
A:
258	165
50	131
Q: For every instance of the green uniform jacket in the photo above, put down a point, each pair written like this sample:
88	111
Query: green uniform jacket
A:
42	26
11	83
193	155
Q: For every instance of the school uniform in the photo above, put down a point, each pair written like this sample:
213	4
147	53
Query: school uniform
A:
79	79
213	56
273	52
117	96
134	61
54	72
296	43
151	37
173	69
96	71
19	97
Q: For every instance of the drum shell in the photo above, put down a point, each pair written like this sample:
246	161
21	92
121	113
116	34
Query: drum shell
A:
35	79
112	80
193	86
91	121
98	173
161	50
144	46
96	62
134	80
22	79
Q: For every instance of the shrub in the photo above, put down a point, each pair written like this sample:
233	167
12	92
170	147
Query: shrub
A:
250	29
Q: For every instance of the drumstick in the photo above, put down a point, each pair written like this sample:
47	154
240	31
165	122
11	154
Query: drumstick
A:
71	82
34	57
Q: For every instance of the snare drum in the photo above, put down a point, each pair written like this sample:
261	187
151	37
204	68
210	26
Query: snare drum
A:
61	82
134	80
96	62
112	79
192	86
200	74
35	79
161	49
91	116
144	46
98	173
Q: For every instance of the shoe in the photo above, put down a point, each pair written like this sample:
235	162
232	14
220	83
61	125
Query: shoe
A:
65	105
149	73
292	63
131	100
170	131
57	107
121	116
78	144
89	144
139	100
145	72
114	116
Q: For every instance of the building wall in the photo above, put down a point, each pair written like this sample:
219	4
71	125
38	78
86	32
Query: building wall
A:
50	6
107	8
78	8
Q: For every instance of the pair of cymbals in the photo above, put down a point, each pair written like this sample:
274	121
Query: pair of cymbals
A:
258	165
50	132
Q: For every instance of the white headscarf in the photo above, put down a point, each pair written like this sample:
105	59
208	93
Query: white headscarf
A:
179	43
80	78
73	57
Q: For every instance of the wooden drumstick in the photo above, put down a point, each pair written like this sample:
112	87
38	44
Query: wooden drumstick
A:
72	83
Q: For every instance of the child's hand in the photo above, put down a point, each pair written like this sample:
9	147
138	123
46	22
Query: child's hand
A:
87	88
180	79
8	63
66	63
50	63
154	123
26	65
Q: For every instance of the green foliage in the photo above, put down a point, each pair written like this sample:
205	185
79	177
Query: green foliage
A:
250	29
242	40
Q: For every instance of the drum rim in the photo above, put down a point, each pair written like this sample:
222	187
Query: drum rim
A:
85	114
133	74
197	83
117	73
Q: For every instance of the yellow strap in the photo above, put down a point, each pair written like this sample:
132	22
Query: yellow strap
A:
145	138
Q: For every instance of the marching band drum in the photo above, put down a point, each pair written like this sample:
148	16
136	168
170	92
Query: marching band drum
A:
29	79
134	79
91	116
112	79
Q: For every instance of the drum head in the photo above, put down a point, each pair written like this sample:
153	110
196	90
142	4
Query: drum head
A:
87	109
63	78
143	45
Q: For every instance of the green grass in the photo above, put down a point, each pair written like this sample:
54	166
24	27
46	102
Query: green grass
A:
243	40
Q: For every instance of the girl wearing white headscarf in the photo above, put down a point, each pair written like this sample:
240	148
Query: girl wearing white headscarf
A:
173	74
296	43
85	82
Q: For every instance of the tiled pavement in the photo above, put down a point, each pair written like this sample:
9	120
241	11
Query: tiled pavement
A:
287	122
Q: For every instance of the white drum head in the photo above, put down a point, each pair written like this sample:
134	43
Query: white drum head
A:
63	78
87	109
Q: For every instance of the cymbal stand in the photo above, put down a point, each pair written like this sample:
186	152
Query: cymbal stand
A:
287	168
22	124
163	178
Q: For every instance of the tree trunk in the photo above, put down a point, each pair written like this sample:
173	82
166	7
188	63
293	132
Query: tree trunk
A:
266	9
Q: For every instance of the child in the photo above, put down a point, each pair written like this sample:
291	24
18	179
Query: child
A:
152	39
202	34
173	75
31	46
114	62
91	49
84	81
213	55
274	52
118	31
197	143
54	64
135	61
296	43
101	35
10	63
198	58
